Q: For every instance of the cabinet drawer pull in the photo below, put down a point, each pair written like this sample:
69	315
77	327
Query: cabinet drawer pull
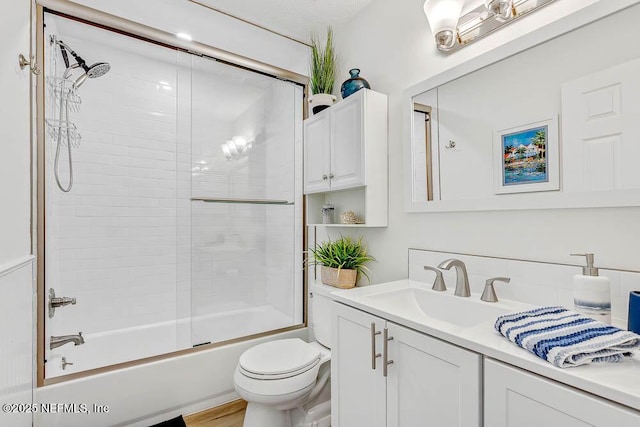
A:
385	350
374	355
330	176
324	177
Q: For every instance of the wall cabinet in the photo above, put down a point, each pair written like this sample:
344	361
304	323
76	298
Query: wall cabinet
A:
516	398
345	148
384	374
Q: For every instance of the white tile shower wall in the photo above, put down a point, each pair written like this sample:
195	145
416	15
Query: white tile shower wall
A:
535	283
112	239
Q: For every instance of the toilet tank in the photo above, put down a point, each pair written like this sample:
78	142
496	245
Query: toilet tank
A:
320	312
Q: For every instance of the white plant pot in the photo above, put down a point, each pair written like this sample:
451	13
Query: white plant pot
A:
321	101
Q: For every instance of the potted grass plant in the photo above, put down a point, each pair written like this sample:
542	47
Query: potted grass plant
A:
322	72
342	261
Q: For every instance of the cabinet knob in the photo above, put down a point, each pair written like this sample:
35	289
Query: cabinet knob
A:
330	176
324	177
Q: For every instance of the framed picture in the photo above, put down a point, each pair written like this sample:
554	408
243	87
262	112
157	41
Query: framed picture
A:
526	158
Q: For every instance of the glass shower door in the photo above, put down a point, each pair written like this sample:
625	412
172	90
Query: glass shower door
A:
246	206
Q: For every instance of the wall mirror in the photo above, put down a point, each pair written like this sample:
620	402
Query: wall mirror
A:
549	120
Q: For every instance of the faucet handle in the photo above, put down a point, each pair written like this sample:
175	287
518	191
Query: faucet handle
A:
438	282
489	294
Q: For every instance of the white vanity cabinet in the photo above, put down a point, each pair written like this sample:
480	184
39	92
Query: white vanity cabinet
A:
428	382
516	398
345	158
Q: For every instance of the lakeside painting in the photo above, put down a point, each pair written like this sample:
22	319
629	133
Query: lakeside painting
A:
524	156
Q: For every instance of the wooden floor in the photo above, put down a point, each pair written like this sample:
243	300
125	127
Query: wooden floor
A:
229	415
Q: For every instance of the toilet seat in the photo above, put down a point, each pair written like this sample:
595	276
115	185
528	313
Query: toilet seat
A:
279	359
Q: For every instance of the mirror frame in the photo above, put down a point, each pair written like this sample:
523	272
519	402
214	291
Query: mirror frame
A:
556	200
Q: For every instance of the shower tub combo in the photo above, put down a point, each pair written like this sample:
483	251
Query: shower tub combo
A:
169	184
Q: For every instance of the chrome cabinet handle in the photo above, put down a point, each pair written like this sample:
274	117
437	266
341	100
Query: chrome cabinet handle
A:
374	355
324	177
385	350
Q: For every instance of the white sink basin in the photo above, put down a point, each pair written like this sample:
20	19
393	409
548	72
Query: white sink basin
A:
460	311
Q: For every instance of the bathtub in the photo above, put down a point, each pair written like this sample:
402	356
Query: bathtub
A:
127	344
146	394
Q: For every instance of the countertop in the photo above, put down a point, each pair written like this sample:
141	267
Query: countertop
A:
618	382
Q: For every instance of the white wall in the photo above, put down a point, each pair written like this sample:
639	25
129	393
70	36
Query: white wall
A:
212	28
392	44
16	274
15	205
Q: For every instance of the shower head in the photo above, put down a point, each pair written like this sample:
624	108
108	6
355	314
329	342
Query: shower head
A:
96	70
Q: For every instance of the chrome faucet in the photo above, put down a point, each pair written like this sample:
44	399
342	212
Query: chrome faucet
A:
56	342
462	279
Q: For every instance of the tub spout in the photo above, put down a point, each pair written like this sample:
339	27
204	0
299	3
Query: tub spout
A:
56	342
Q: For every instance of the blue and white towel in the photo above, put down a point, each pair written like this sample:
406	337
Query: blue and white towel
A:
566	338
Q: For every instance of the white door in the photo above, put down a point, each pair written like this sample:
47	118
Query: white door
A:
515	398
601	136
317	153
358	388
431	383
347	143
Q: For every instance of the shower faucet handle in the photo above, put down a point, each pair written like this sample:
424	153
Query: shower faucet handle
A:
57	302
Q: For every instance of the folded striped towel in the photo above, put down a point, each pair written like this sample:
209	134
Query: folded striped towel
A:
566	338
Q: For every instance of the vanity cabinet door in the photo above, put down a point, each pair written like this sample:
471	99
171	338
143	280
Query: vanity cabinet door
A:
431	382
516	398
358	390
317	154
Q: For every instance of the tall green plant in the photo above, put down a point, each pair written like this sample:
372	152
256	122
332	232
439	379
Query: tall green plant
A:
323	64
344	253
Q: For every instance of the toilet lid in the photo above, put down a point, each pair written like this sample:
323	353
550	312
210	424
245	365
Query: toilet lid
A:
281	359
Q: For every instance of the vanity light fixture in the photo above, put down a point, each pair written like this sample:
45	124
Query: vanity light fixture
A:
453	31
236	148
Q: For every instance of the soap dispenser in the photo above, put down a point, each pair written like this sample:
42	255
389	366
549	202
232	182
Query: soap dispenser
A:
592	292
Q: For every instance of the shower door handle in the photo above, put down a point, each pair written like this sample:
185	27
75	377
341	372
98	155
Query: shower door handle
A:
374	355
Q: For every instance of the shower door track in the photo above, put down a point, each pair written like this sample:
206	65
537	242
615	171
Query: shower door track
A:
149	34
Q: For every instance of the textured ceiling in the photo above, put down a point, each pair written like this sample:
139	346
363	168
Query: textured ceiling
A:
292	18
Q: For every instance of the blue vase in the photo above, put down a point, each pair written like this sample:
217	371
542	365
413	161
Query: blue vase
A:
634	312
353	84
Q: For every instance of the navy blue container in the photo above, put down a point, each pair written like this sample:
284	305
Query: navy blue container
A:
634	312
354	84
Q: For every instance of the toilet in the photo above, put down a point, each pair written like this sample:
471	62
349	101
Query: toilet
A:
286	382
